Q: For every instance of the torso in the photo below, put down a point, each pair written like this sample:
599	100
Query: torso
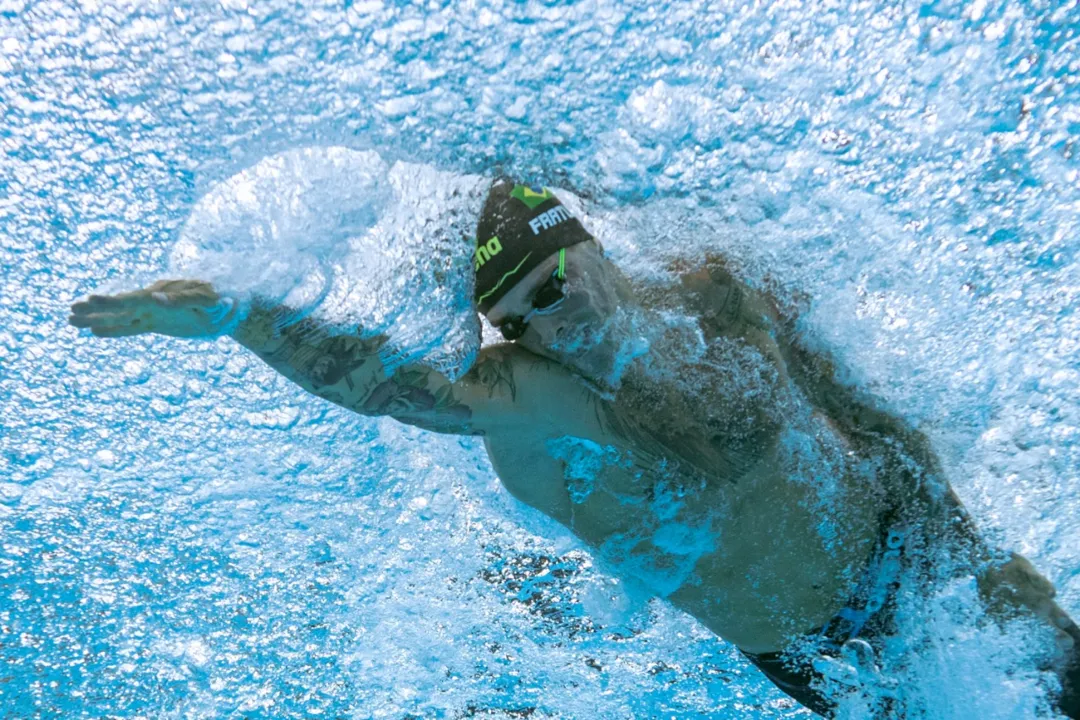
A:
729	496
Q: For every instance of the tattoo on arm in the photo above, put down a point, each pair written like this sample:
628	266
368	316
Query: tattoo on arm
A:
415	396
327	363
495	372
307	353
426	399
348	370
733	303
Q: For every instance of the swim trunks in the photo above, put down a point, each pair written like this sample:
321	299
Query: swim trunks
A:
843	651
848	641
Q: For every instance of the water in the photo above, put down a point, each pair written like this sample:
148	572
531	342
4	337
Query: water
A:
186	535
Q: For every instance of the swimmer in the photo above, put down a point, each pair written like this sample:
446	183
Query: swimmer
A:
740	482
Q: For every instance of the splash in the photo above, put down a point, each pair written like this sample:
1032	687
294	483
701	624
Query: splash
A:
342	236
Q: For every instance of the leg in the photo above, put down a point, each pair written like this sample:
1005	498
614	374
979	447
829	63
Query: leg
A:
1016	587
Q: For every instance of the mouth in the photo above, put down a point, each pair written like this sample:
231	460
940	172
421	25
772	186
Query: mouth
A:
583	337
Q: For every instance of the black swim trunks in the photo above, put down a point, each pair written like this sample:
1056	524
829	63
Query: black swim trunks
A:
853	636
857	634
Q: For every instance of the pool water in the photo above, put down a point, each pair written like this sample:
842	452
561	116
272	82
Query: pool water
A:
183	534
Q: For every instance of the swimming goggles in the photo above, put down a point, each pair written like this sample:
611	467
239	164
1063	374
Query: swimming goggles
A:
546	300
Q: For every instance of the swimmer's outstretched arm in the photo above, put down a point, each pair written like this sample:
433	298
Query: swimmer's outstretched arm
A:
345	368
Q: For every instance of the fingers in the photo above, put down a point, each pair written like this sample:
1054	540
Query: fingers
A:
163	292
99	303
180	308
110	316
112	324
103	310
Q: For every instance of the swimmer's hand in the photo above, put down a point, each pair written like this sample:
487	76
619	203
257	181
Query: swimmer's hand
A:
178	308
1017	583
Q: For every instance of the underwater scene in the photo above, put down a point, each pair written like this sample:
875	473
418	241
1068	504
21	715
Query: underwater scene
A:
186	534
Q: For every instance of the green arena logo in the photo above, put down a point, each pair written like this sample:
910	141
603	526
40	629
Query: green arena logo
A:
486	251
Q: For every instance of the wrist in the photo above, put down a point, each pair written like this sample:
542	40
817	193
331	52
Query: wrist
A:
235	310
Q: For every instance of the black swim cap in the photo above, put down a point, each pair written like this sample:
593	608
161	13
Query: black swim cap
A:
519	228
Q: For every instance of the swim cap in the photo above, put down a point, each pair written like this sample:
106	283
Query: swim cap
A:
519	228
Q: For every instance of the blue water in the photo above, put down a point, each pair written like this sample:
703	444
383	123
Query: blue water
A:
185	535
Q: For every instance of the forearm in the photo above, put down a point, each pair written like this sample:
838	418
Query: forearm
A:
348	369
338	367
345	368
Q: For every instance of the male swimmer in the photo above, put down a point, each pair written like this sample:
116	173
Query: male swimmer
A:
739	482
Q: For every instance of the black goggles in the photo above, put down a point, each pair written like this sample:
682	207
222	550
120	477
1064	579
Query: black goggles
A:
546	299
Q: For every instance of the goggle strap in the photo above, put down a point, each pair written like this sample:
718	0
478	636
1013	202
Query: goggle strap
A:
561	271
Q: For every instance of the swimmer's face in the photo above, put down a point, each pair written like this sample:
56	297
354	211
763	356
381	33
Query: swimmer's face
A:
576	327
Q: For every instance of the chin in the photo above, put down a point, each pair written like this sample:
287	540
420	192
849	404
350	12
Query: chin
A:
600	351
